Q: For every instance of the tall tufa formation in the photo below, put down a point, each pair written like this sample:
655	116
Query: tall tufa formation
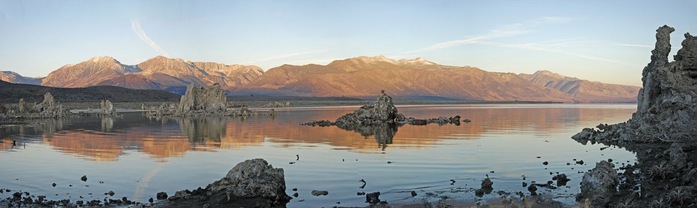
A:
107	109
22	106
663	133
48	108
667	103
202	101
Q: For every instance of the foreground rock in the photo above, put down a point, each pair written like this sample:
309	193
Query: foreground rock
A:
662	132
252	183
599	184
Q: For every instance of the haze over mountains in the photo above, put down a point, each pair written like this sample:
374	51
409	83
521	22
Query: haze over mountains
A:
353	77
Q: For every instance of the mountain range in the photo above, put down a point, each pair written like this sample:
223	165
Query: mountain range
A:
353	77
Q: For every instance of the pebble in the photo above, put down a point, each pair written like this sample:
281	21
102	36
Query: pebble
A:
545	163
83	178
319	193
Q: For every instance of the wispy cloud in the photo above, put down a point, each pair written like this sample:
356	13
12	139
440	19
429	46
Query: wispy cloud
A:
510	30
634	45
288	55
507	31
135	26
548	48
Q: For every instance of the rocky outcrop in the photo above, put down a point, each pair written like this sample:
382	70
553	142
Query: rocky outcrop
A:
48	108
382	111
202	101
662	132
599	184
667	103
107	109
381	120
252	181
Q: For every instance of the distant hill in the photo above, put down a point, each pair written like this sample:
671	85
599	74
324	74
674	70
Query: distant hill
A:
12	77
11	93
583	90
360	77
419	78
156	73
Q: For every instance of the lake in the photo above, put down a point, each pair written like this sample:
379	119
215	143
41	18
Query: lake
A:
137	157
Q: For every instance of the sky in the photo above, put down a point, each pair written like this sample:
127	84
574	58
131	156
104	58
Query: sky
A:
607	41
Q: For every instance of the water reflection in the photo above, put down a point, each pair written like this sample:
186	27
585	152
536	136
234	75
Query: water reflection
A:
105	139
202	130
383	133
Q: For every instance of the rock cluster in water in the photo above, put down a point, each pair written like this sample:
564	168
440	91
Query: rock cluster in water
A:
201	102
381	120
663	133
381	112
250	183
48	108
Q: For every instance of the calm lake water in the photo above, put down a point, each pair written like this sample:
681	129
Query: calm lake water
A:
137	157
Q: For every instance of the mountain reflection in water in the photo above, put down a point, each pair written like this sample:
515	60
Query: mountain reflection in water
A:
104	139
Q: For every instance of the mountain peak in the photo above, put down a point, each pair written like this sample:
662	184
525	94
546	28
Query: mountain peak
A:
373	59
97	59
417	60
546	73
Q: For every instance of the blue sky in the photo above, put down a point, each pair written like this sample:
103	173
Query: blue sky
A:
608	41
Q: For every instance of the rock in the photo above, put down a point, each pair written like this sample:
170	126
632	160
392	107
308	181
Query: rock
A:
161	195
254	178
585	134
413	193
384	108
479	192
252	183
381	111
661	132
319	193
111	193
202	101
83	178
599	184
48	108
22	106
561	179
487	183
107	109
533	189
372	198
322	123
